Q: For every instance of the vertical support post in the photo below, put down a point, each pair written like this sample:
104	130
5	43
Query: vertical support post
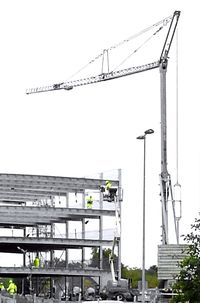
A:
143	224
83	230
66	250
23	282
24	254
83	237
52	251
37	255
147	132
101	233
65	289
119	205
24	264
51	287
163	106
36	286
52	256
66	233
164	172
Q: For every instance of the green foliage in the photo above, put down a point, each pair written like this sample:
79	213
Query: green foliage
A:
132	274
152	279
106	253
87	283
135	274
187	284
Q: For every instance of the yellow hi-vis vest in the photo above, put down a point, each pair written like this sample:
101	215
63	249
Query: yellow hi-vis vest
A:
90	202
108	185
37	262
12	288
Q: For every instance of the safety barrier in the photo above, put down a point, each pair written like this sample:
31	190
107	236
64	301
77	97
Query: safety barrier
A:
5	299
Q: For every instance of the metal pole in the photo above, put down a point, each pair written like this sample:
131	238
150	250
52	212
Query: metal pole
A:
143	137
120	224
143	226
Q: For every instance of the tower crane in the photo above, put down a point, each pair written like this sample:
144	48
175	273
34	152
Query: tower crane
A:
161	63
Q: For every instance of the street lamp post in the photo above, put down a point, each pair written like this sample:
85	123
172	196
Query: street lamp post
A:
143	137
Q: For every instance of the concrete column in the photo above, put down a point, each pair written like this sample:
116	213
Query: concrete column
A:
100	233
66	234
119	203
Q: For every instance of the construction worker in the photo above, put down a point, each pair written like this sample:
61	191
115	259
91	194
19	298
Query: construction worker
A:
108	185
12	287
111	192
37	262
77	293
90	201
1	286
90	294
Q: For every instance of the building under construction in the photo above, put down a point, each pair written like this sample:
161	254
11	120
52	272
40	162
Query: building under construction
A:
31	206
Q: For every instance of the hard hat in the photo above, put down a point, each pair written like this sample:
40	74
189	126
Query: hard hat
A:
107	182
10	281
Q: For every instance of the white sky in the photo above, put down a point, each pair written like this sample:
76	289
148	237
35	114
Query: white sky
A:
92	129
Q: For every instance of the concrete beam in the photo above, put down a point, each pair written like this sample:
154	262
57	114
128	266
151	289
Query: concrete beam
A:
56	212
25	271
31	216
51	184
30	244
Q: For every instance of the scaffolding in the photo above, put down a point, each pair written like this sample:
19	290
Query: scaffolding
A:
32	206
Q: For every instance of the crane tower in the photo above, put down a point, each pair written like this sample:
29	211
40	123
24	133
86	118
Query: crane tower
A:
162	63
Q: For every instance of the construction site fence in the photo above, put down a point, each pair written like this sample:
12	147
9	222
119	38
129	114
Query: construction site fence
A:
7	299
34	299
28	299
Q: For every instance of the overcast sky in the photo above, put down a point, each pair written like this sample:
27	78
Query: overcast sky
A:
93	129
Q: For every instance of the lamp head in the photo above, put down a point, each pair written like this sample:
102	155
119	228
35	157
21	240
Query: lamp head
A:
140	137
149	131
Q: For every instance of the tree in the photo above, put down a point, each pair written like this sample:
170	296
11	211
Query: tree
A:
106	253
132	274
153	269
135	274
187	285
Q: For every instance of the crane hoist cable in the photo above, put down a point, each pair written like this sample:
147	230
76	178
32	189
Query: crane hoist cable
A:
177	111
139	47
162	22
68	85
177	185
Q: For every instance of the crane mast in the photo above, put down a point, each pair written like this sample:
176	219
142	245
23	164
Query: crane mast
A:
165	179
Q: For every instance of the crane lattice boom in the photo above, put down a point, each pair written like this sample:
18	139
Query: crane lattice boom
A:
95	79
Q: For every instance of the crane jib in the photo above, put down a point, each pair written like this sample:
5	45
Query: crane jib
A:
95	79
